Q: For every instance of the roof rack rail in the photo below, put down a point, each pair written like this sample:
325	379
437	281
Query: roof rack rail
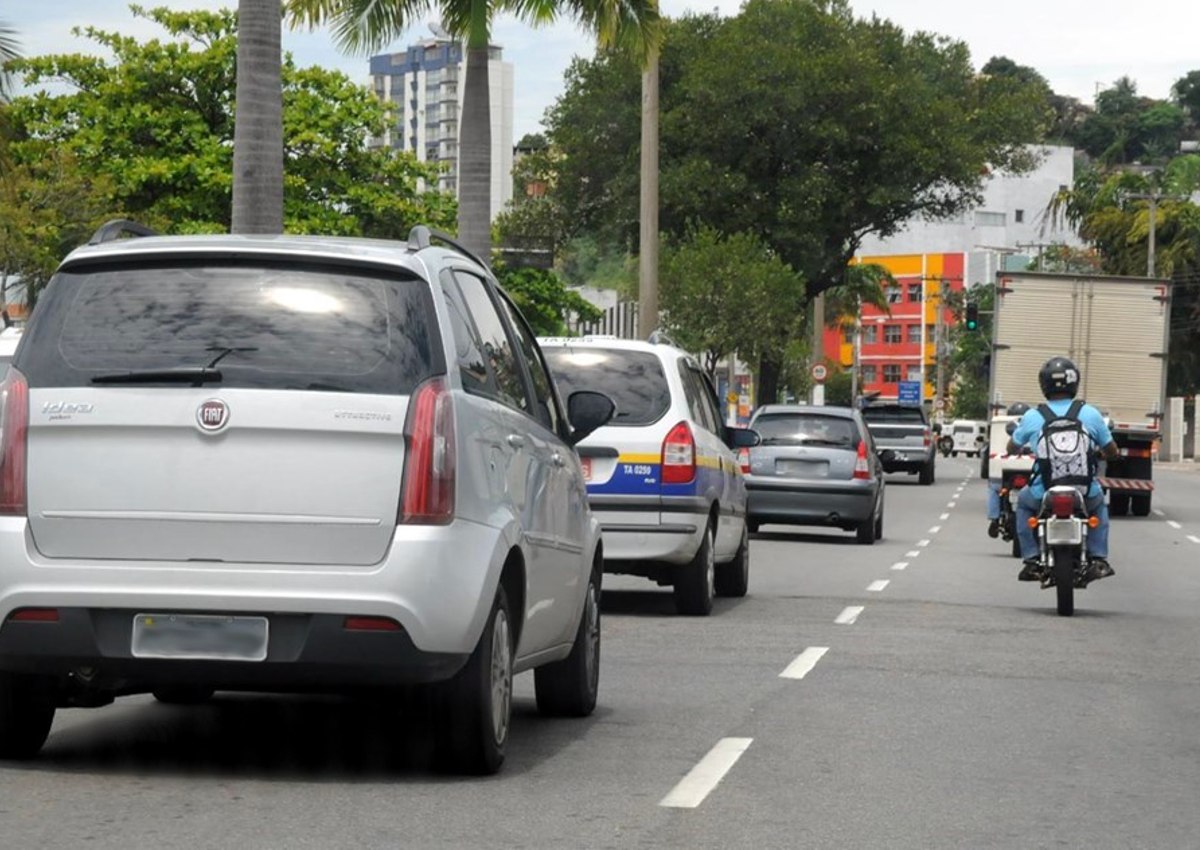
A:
422	237
114	229
660	337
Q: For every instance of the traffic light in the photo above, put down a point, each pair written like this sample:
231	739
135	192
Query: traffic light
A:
972	321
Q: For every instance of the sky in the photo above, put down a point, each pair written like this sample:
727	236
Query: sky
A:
1078	45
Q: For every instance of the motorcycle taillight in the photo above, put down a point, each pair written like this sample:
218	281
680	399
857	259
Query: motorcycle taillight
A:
1019	481
1062	505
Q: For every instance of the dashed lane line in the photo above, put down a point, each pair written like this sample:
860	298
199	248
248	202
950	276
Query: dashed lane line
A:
935	529
900	565
1194	538
923	543
803	663
913	554
878	585
1174	524
944	517
849	615
703	778
1158	512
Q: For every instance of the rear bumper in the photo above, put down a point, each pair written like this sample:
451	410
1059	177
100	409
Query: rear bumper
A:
437	582
908	458
650	528
811	504
91	647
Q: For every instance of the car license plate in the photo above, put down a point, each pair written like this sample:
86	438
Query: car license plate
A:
586	463
199	636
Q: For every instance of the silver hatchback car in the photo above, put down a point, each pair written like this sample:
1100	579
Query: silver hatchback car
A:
815	466
291	463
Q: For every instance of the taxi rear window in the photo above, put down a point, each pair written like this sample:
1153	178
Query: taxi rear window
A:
634	380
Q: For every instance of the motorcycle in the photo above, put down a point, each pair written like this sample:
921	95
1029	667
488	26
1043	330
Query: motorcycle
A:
1062	527
1011	483
945	445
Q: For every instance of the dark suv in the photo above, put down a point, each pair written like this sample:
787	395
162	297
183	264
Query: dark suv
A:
905	430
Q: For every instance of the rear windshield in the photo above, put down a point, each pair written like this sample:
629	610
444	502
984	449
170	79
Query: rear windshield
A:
634	380
906	415
806	428
265	326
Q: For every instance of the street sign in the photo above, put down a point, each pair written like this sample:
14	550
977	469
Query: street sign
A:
910	393
940	403
732	397
819	372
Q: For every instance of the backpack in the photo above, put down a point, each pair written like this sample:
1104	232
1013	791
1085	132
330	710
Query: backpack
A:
1066	452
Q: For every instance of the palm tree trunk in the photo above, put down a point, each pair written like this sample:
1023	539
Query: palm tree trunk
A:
258	127
475	152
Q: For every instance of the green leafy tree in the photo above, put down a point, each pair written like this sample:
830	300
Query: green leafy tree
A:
156	122
824	133
361	26
970	357
9	49
1187	94
544	299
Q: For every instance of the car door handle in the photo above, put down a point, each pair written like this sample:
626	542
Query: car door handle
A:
516	441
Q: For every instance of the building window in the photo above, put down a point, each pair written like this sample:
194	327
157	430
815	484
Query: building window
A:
891	333
914	373
1019	216
989	219
930	334
914	334
869	374
893	294
848	335
870	334
914	293
891	374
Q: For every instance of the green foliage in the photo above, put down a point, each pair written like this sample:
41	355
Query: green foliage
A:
824	131
544	299
838	388
1187	94
155	123
969	360
721	294
585	261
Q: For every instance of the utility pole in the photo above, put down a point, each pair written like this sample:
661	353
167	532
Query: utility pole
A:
939	348
818	345
1152	198
648	218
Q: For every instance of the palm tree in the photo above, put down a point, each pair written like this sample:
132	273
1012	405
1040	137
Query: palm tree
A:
364	26
9	49
258	125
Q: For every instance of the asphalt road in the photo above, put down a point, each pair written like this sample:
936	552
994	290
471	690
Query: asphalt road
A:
955	709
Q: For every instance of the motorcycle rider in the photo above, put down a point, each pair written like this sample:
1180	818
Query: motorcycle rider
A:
1059	380
1017	408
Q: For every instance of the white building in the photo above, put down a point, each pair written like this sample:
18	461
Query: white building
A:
424	84
1010	227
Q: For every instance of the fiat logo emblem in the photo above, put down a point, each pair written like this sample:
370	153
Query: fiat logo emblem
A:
213	415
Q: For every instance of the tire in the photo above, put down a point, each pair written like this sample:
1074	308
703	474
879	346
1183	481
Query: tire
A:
183	694
472	727
753	526
568	688
1064	581
879	524
694	581
927	474
26	713
1140	505
733	579
1118	504
983	465
866	532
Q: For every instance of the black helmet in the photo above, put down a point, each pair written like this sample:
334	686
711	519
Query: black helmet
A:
1017	408
1059	377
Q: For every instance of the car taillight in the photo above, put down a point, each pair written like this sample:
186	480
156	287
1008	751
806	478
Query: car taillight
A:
862	467
679	455
14	395
1062	505
744	460
928	436
1019	481
427	491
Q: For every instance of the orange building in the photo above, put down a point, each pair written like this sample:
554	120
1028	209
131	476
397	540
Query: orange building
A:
900	345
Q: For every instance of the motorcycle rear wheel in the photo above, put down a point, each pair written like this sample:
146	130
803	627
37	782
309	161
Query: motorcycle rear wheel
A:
1065	561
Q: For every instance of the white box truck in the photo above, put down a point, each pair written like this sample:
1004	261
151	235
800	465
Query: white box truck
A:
1116	329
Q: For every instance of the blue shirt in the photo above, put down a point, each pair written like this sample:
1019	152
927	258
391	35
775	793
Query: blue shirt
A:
1029	429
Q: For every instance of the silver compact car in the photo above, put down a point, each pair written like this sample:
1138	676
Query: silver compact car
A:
814	466
293	464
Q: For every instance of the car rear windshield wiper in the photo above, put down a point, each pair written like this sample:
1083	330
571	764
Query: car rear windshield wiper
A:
196	375
817	441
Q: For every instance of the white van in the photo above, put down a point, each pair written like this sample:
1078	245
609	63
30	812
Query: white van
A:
969	436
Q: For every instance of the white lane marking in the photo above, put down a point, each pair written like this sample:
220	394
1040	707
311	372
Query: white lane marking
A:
1194	538
1158	512
913	554
944	517
1174	524
703	778
934	530
878	585
951	504
924	543
803	663
899	565
849	615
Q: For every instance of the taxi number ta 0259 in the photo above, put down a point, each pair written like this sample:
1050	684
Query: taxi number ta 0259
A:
637	469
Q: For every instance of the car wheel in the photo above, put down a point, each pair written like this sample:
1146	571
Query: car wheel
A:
26	713
752	526
865	531
568	688
927	474
733	579
183	694
694	581
476	712
879	524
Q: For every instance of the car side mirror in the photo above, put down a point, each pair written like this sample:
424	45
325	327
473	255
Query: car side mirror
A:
587	411
741	438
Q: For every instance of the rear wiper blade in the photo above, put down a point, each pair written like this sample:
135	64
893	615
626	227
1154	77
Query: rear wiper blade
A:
817	441
184	375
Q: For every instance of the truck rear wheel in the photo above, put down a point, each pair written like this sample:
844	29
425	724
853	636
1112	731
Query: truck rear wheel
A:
1118	504
1140	505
